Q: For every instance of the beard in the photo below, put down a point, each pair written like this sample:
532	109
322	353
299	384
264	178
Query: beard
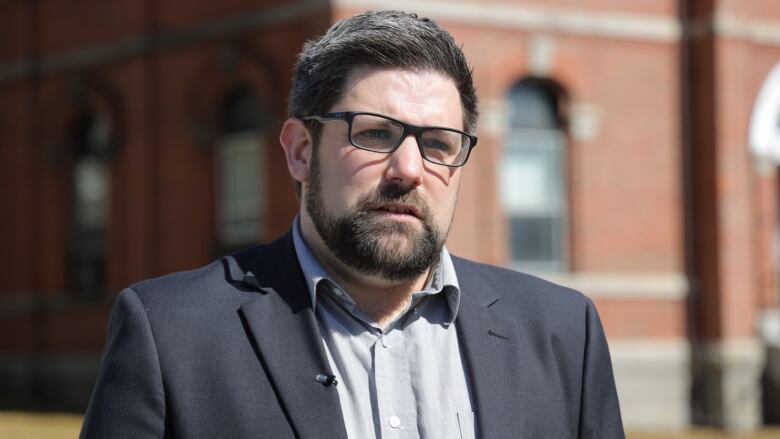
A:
365	241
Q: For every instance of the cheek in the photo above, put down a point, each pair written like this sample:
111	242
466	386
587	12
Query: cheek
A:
347	187
448	196
452	187
359	176
450	206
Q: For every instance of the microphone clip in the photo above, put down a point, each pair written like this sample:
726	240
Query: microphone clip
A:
326	380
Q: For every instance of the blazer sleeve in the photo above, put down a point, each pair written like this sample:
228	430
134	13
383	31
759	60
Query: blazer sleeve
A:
600	410
128	399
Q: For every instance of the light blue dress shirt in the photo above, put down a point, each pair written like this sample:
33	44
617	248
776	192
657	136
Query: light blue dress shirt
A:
406	381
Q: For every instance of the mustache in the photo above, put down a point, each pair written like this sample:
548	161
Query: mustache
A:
396	194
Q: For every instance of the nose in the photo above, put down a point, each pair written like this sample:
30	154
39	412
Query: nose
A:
406	164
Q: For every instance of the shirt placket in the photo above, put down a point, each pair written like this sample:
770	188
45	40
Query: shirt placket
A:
396	405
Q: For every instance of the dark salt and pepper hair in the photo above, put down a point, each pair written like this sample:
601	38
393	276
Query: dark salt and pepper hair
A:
383	39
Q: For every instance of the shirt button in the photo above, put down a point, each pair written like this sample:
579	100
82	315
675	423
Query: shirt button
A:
385	344
395	422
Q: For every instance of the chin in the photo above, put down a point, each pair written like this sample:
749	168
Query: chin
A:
398	243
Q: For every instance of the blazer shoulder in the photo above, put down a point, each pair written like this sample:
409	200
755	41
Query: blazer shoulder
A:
519	288
213	281
179	282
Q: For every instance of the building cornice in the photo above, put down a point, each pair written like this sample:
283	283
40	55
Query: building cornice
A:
580	21
753	30
142	43
632	26
538	19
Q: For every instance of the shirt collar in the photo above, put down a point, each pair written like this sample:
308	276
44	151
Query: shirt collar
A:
443	277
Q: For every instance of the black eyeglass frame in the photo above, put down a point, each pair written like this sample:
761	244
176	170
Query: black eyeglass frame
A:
417	131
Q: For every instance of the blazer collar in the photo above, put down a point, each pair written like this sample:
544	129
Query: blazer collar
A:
492	348
284	332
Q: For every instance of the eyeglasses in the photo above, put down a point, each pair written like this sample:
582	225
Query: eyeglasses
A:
378	133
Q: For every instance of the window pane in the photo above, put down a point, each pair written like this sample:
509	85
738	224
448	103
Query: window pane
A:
239	161
530	174
91	193
241	112
90	199
531	239
531	107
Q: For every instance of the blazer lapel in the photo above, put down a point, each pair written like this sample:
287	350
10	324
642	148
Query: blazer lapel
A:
492	347
285	333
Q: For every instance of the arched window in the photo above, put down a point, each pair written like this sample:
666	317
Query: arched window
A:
240	161
532	177
92	142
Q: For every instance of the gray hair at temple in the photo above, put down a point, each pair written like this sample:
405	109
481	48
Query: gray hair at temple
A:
377	39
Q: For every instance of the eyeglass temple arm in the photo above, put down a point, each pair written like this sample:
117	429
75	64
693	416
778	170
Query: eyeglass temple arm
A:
329	117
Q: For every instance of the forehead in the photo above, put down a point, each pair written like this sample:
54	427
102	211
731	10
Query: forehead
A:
416	97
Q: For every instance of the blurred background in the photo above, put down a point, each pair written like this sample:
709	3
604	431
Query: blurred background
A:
628	149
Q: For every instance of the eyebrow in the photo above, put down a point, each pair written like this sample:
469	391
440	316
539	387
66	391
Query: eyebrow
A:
387	123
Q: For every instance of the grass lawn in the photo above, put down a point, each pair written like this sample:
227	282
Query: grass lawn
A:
20	425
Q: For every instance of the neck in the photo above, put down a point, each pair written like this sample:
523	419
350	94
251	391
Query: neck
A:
382	299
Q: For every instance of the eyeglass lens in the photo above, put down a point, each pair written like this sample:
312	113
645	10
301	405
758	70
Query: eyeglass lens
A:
379	134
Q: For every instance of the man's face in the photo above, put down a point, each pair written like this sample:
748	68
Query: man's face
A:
385	215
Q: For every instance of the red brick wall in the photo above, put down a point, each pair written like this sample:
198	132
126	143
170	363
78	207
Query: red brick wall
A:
161	199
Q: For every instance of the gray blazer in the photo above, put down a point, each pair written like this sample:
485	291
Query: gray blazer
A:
232	350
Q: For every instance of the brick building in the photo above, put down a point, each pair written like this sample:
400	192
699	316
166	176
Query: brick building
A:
627	149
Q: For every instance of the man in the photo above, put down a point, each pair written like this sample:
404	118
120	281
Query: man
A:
359	323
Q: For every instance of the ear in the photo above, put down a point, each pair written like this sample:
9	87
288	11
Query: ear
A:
297	144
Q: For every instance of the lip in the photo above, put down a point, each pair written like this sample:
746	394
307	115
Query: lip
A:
399	209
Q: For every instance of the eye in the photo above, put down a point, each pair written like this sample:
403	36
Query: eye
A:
437	144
